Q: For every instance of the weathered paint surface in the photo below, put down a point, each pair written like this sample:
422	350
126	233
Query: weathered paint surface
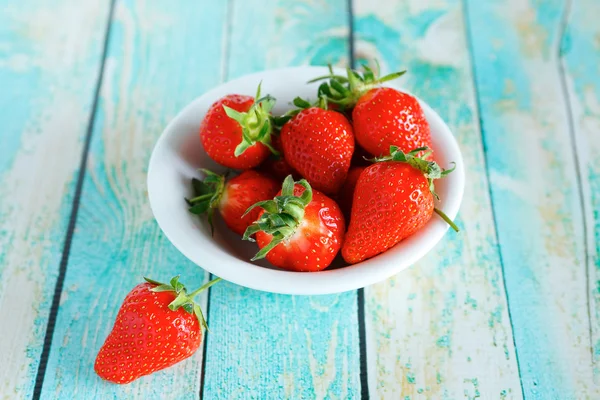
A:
48	69
286	346
535	191
155	66
439	330
580	53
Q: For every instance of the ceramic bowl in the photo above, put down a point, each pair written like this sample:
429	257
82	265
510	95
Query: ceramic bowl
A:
178	155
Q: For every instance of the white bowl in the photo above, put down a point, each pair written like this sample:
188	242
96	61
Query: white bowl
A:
178	154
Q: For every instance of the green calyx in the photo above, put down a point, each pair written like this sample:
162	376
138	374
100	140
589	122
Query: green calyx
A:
282	215
430	169
347	90
256	123
300	104
207	195
183	299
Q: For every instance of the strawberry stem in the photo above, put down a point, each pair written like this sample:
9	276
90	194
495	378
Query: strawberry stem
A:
204	287
447	219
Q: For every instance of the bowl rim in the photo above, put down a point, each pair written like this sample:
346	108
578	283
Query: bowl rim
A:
356	276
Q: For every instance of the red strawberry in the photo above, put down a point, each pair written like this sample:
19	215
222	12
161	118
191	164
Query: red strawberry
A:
299	230
347	192
385	117
392	200
276	165
157	326
319	144
381	116
236	130
232	198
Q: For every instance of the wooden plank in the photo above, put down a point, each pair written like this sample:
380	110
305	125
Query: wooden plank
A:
262	343
534	191
441	329
159	59
580	53
49	62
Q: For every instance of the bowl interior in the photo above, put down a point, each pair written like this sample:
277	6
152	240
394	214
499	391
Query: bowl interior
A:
178	155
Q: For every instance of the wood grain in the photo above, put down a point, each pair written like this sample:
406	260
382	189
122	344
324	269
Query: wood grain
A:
268	345
441	329
157	63
534	187
49	62
580	56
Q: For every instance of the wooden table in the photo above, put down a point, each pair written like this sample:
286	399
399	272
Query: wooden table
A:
507	309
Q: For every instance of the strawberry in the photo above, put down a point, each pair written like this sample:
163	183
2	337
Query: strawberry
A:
347	192
231	198
157	326
393	199
381	116
236	130
301	229
384	117
318	143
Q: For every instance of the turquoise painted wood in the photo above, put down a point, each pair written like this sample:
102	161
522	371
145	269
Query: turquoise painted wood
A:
151	72
580	51
441	329
537	204
508	308
286	346
47	73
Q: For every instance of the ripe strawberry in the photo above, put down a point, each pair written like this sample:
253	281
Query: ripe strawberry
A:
157	326
381	116
236	130
232	198
385	117
347	192
299	230
319	143
392	200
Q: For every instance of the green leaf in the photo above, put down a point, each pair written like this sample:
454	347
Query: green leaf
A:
391	76
288	186
263	252
200	208
200	316
250	230
163	288
241	148
200	187
234	115
301	103
153	281
267	205
211	212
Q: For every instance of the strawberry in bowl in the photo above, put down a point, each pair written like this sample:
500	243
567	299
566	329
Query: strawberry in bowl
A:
337	146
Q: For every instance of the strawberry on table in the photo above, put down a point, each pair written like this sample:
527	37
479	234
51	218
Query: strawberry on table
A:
318	143
231	198
381	116
236	130
157	326
301	229
393	199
